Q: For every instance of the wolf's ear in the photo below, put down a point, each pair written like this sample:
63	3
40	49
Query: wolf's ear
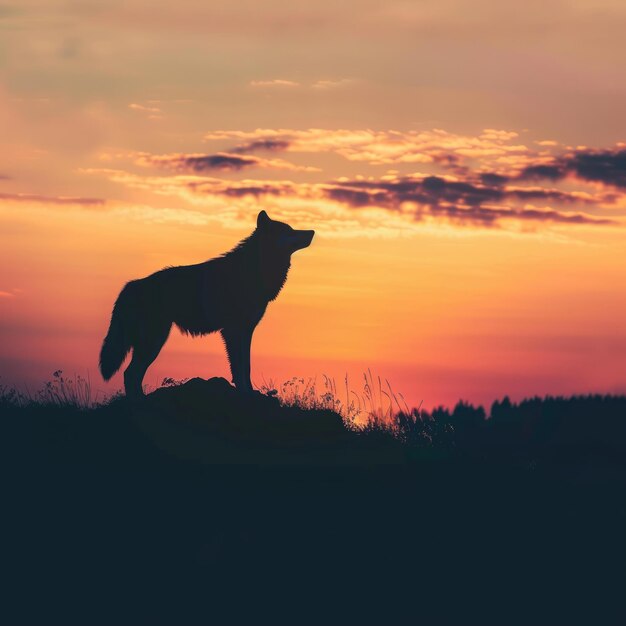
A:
262	219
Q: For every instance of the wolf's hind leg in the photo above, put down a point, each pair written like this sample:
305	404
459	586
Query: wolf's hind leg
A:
145	351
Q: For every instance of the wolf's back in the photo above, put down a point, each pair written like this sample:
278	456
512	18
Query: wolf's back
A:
117	343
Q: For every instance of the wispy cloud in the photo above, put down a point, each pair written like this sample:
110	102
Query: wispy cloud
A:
220	161
275	82
61	200
320	84
387	146
152	112
332	83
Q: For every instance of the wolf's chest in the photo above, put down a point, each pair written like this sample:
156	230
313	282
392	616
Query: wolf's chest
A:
233	301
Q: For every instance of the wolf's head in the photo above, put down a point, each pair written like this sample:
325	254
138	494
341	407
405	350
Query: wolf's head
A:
281	238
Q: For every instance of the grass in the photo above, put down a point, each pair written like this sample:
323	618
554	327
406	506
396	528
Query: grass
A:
536	427
69	392
60	391
372	404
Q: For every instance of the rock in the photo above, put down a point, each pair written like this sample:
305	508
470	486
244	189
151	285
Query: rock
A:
217	406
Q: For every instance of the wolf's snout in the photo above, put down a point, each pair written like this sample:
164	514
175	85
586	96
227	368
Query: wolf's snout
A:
302	239
306	238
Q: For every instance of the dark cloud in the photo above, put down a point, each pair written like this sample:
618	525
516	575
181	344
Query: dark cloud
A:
356	198
535	172
493	180
202	162
241	190
61	200
220	161
450	161
546	194
435	190
461	202
603	166
272	145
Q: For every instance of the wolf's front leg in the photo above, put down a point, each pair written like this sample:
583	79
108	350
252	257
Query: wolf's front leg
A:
246	343
238	342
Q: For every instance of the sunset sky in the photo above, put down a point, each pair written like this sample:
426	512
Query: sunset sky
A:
463	164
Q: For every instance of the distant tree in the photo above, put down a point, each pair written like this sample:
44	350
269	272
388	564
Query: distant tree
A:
502	410
468	422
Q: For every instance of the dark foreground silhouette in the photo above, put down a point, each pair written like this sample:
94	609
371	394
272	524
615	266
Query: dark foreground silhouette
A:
200	505
228	294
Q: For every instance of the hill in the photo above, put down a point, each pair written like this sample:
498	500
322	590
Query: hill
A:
199	505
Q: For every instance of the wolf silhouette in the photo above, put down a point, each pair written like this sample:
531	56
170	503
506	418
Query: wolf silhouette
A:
228	294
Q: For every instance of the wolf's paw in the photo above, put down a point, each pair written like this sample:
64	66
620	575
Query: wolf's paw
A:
245	391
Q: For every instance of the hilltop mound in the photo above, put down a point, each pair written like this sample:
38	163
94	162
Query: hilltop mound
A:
219	407
210	421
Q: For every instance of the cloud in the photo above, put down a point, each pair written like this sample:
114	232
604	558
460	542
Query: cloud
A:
432	197
607	167
435	190
332	84
386	146
220	161
256	188
61	200
408	199
494	156
144	109
322	84
152	112
488	180
276	82
7	295
459	200
535	172
271	145
235	204
492	179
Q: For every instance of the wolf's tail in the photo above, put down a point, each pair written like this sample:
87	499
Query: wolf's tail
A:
117	344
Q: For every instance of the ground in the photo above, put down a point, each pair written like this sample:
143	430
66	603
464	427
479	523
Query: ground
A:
201	506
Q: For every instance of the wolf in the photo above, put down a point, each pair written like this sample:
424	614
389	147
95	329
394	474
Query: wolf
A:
229	294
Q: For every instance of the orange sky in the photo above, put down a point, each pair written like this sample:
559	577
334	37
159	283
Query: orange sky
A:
462	169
